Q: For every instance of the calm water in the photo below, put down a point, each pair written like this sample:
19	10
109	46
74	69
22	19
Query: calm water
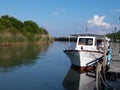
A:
35	67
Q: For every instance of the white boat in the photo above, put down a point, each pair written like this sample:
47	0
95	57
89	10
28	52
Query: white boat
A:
88	49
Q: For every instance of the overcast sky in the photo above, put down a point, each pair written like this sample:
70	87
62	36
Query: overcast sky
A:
64	17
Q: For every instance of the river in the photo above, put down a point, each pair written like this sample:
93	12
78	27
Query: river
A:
40	67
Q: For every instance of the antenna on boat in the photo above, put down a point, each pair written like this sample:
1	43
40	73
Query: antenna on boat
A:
69	40
119	42
86	31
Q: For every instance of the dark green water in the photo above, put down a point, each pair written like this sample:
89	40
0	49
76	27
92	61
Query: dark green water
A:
35	67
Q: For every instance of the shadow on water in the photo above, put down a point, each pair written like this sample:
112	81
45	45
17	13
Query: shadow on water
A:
75	80
16	56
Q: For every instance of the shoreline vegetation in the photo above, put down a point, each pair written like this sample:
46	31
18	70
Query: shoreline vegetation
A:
16	32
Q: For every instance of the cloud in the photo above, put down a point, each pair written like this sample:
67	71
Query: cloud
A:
98	21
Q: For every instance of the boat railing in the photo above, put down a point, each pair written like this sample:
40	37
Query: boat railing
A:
96	35
94	62
71	46
71	43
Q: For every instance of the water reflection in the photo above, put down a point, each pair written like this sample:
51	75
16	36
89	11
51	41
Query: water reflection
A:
75	80
12	57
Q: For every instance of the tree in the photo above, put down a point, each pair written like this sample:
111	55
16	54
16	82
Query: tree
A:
43	31
27	29
33	27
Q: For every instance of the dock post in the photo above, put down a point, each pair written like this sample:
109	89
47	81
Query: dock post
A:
98	78
104	55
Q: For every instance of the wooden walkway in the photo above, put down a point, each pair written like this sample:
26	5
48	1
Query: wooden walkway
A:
113	74
115	66
115	62
109	80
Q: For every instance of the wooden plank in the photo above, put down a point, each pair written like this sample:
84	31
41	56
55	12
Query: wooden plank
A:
115	62
115	66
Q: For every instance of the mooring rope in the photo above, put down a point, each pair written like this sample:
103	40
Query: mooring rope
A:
104	81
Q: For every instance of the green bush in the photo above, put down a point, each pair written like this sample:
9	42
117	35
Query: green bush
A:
13	30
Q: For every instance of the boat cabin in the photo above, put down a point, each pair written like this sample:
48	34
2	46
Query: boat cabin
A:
89	43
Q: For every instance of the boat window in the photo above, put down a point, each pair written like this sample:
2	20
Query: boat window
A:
99	43
85	41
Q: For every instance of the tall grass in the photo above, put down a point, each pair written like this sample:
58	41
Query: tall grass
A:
7	39
43	38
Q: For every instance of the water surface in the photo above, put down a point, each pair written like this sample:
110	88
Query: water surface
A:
37	67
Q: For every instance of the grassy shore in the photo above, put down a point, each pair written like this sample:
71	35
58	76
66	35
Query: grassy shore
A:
8	39
16	32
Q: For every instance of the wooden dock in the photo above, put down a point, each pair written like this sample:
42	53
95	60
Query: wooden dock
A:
115	62
110	79
113	74
115	66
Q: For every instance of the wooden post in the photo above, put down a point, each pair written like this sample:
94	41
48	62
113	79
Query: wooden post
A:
104	56
98	79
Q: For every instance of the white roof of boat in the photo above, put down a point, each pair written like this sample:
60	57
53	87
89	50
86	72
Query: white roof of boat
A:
88	35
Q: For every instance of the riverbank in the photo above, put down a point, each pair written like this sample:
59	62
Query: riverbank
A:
16	32
8	39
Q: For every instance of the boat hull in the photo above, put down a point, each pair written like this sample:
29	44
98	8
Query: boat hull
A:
83	58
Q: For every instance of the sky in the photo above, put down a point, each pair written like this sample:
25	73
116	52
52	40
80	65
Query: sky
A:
65	17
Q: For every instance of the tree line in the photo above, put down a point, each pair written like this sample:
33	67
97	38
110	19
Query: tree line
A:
23	31
115	36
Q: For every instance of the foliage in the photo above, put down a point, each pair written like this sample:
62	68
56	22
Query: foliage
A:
114	36
27	29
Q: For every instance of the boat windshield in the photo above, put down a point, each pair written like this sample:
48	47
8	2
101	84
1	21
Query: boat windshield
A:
85	41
